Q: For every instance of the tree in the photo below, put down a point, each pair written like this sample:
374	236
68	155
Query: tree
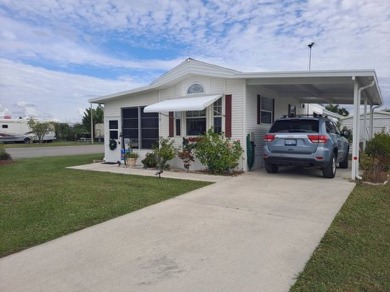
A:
62	131
335	108
98	117
40	128
77	131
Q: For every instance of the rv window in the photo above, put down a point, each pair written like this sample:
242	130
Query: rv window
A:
4	126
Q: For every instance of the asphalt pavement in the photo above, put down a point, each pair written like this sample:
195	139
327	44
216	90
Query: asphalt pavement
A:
30	152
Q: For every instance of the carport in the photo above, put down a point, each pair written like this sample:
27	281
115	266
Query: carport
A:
358	88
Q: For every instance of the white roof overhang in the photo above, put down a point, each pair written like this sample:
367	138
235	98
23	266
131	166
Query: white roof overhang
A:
197	103
335	87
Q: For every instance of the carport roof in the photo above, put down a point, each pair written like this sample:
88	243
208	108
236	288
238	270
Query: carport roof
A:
335	87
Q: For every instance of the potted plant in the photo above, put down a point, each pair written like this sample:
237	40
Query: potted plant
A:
131	158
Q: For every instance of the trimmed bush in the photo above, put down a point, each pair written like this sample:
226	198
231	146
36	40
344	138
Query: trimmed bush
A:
217	152
376	160
3	154
150	160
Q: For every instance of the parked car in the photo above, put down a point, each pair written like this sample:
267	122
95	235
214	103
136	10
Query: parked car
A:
306	141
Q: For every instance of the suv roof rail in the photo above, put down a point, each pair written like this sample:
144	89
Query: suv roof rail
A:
314	115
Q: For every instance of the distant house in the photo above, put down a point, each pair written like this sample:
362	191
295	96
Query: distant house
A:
381	122
195	96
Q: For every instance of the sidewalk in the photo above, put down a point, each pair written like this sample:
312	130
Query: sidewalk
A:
114	168
253	232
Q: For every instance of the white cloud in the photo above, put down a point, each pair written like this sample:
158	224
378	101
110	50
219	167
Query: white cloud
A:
34	91
248	35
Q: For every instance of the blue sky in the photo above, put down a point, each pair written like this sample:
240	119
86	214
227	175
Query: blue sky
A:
56	54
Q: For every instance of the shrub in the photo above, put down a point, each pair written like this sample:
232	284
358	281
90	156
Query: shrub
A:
164	152
379	147
150	160
376	159
186	153
3	154
217	152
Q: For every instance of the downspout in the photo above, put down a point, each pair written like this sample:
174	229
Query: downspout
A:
365	134
373	108
356	130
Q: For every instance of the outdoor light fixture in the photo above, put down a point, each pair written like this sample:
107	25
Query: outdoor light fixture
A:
310	45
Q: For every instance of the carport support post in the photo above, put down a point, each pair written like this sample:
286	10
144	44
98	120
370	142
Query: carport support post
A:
356	127
356	132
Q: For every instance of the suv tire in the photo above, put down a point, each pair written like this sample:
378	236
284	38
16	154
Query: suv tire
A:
329	171
271	168
344	163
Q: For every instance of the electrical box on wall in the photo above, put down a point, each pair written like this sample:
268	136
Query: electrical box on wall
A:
252	136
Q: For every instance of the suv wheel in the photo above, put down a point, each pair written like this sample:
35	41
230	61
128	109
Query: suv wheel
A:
329	171
271	168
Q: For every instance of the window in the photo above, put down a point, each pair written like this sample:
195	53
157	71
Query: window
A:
141	128
195	88
331	128
217	110
196	122
113	127
178	123
4	126
265	110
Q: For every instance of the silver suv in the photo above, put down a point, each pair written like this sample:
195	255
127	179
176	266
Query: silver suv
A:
305	142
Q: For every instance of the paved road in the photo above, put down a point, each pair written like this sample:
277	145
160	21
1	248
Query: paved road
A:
28	152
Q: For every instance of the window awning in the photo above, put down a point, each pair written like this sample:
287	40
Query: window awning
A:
197	103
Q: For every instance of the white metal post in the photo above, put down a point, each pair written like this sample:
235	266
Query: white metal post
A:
356	131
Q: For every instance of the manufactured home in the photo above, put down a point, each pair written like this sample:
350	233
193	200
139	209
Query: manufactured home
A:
18	130
195	96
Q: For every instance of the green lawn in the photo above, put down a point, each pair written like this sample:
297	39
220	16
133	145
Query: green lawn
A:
41	200
354	254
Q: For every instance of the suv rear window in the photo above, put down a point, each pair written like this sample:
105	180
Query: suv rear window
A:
295	126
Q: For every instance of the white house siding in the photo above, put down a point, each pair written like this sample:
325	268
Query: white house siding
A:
381	122
237	88
211	86
251	121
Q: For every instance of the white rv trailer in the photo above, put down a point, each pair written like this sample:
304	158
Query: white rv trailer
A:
17	130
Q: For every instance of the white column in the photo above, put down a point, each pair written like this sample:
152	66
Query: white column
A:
356	131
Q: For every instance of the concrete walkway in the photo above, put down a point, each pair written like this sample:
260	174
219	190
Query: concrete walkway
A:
253	232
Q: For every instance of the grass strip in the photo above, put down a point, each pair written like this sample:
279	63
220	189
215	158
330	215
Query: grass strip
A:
354	253
40	199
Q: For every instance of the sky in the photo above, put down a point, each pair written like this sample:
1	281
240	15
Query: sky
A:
57	54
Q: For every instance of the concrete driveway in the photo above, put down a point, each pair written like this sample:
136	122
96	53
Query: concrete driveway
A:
254	232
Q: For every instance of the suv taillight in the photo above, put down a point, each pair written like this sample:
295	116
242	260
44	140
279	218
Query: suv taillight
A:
269	138
318	138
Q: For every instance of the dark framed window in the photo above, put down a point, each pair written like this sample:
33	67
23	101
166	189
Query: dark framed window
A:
178	123
217	110
196	122
141	128
4	126
113	129
265	110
